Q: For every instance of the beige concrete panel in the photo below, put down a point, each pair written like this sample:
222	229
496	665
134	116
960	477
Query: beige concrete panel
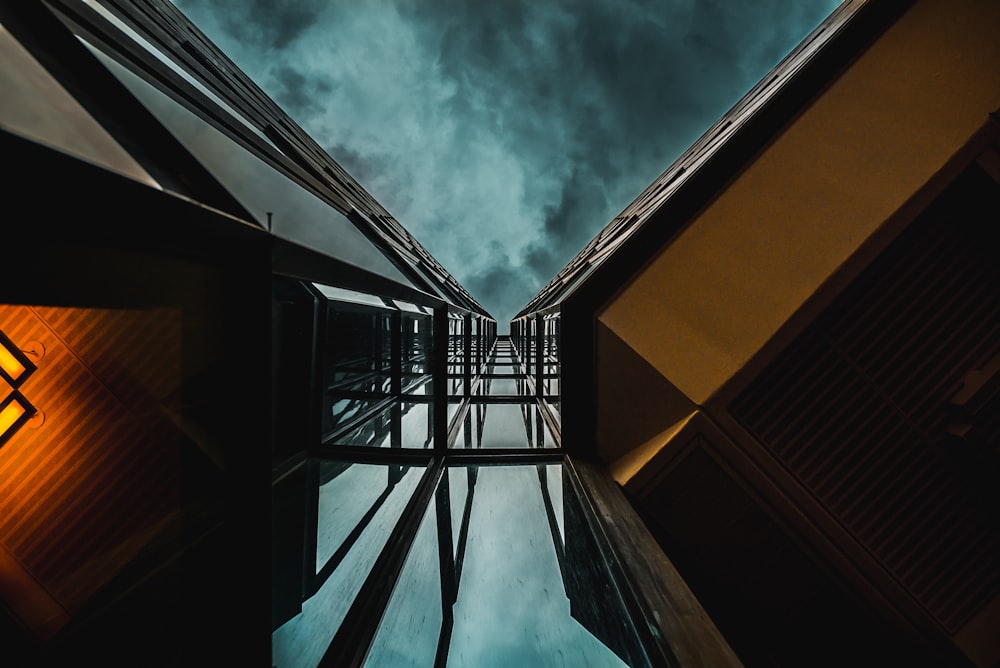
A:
709	301
638	463
634	402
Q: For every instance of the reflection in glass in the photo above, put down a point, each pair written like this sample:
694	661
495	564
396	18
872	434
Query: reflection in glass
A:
375	432
416	425
457	363
358	353
402	424
505	387
408	634
552	387
417	349
453	407
504	425
491	581
357	507
502	369
373	352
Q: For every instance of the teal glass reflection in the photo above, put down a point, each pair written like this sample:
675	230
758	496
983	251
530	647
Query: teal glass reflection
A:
357	507
357	373
501	574
505	387
402	424
504	425
457	362
513	608
408	635
417	349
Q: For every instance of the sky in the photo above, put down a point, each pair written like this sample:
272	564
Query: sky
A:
505	135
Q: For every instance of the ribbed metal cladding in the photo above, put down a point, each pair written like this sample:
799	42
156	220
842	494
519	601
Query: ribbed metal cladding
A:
857	407
82	493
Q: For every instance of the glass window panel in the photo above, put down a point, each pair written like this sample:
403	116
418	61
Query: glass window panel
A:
505	387
502	369
375	431
302	641
419	387
460	481
336	294
552	475
453	407
408	634
417	425
554	404
402	424
498	594
504	425
347	492
358	353
417	341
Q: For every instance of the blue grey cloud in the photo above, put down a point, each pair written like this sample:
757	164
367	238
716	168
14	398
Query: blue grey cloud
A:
504	135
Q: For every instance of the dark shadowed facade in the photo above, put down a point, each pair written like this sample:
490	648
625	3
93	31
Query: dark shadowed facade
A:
247	419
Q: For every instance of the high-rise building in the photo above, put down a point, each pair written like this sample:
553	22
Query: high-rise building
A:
247	419
786	349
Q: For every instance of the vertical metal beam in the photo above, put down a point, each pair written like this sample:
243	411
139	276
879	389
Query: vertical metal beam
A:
439	375
539	355
396	353
446	562
526	345
467	354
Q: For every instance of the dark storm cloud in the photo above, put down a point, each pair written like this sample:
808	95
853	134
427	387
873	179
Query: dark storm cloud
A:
300	92
504	135
563	232
493	283
268	24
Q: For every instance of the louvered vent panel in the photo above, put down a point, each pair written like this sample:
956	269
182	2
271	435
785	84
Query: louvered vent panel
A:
858	407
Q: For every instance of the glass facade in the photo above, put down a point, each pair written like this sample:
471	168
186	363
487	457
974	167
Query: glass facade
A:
536	338
358	363
490	580
494	559
355	507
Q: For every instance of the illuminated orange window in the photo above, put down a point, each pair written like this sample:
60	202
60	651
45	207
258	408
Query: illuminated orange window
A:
15	366
14	412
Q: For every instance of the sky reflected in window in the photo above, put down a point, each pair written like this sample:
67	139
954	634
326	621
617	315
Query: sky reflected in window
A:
485	580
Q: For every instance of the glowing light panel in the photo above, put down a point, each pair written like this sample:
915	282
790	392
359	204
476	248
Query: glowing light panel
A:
14	364
14	412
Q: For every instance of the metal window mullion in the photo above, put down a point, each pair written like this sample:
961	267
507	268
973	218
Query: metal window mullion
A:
467	343
447	570
396	345
539	355
439	374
